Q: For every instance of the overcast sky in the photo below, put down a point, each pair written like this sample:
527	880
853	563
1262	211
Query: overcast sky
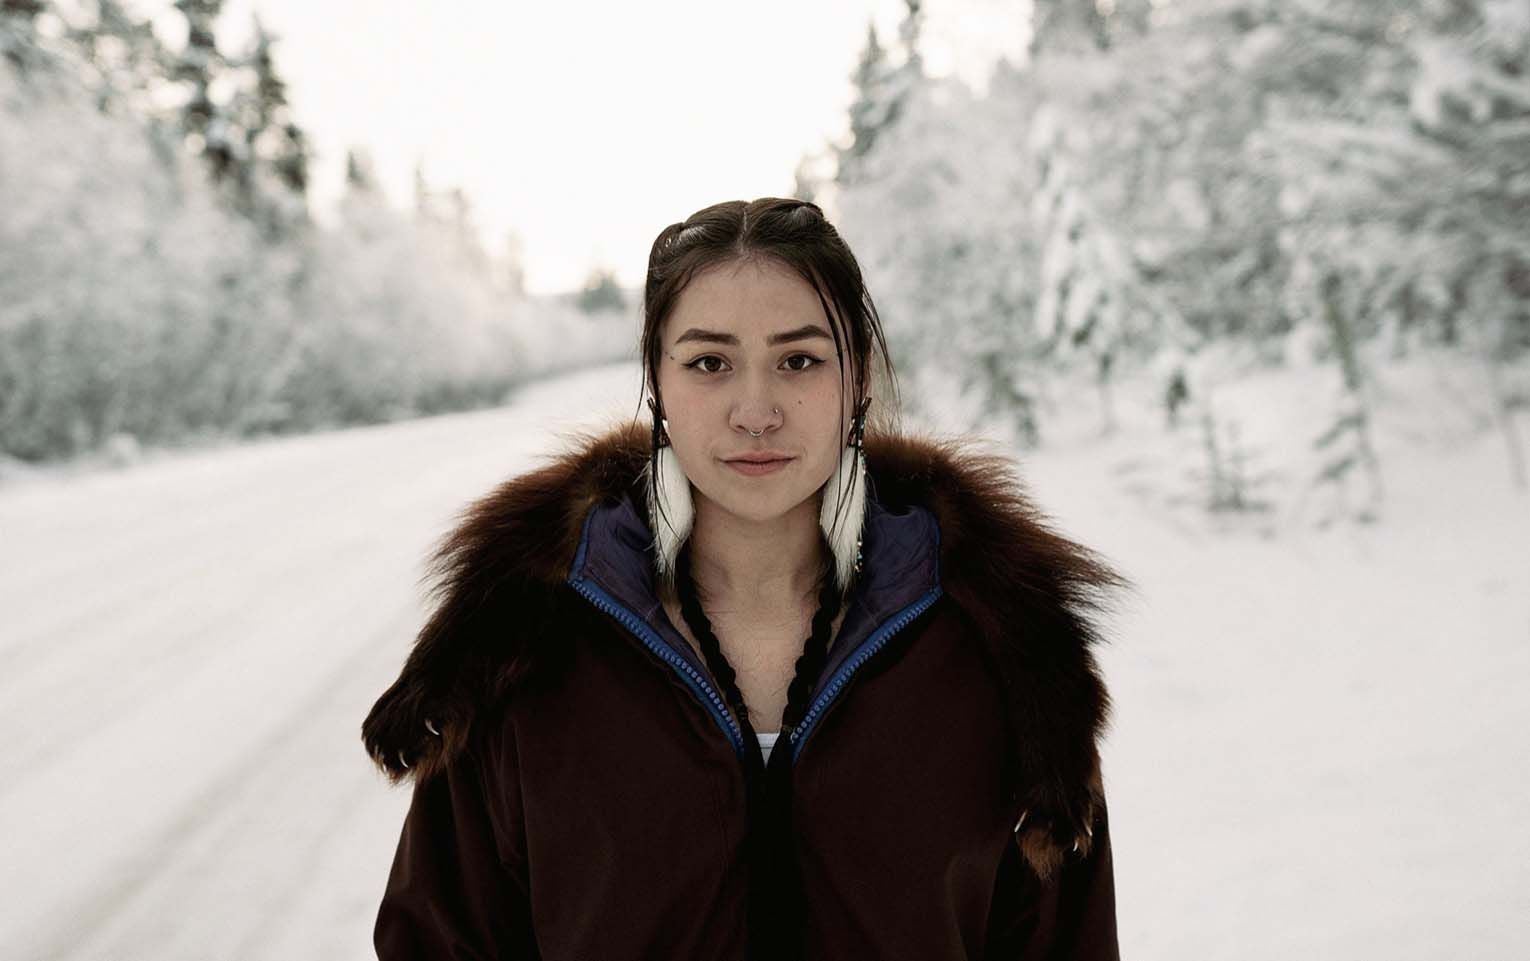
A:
587	127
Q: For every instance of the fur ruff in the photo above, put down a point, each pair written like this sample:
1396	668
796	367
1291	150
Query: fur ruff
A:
1027	591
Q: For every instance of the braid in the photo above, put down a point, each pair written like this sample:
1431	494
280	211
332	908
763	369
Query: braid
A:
810	662
711	649
775	882
815	653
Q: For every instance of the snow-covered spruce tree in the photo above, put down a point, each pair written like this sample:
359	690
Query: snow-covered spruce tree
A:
1156	241
123	59
940	222
936	210
142	306
601	291
1075	24
1346	442
252	146
1470	99
1400	190
881	88
134	299
1230	479
197	67
1090	294
18	33
274	182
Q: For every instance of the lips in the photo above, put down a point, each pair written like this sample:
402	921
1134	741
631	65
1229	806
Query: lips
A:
753	467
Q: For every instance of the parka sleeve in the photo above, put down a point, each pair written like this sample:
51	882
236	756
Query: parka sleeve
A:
1069	917
458	888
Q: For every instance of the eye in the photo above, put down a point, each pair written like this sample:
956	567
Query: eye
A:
811	363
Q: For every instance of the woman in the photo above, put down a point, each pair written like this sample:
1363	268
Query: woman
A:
621	744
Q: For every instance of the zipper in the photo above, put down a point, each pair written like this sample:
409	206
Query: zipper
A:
868	648
655	643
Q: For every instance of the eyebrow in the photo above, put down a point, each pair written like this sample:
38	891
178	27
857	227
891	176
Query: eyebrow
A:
805	332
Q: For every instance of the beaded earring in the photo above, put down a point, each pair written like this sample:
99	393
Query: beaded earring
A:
845	538
670	509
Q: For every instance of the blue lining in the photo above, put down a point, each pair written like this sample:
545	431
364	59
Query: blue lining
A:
863	654
613	569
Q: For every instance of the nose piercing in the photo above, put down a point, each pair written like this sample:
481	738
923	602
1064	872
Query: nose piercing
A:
773	410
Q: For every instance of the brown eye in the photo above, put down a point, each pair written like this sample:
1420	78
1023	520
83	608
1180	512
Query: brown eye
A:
696	364
814	362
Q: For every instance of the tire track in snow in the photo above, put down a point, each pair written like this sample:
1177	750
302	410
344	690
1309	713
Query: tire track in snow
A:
258	814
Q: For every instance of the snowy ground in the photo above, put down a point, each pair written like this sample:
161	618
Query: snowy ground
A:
1319	742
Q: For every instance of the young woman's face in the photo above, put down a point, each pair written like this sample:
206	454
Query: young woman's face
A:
721	376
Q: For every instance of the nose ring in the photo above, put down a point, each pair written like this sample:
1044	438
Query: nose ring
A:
753	433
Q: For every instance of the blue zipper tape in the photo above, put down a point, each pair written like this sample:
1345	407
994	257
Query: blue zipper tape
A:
719	711
602	599
863	654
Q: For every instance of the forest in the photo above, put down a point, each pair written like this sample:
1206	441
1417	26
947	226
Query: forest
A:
1172	189
164	280
1190	189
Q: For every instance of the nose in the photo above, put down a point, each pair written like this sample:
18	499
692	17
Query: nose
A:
756	419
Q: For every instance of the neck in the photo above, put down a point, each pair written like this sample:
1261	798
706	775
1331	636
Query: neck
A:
747	565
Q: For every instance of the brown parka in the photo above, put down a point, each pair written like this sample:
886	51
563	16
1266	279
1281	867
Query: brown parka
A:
579	791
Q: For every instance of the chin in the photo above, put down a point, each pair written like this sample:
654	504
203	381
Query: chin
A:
758	504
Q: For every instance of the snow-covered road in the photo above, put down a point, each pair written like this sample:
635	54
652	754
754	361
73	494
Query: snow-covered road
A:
1319	746
186	653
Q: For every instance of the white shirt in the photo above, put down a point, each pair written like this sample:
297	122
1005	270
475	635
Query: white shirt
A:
768	741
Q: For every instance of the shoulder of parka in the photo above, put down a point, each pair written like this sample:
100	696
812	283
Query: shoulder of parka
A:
497	587
1029	593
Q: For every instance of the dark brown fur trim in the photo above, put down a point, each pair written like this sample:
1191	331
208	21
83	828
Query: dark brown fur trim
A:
1028	592
498	578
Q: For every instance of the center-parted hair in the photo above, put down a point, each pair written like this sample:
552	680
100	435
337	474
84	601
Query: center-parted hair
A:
794	234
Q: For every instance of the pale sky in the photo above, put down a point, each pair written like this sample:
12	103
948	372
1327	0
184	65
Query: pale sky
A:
588	127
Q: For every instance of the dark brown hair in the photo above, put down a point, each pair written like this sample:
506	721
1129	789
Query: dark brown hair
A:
794	234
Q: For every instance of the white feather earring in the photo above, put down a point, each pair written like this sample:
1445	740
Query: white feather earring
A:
845	537
670	510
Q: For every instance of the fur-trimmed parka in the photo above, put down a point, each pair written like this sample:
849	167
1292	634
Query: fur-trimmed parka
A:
578	779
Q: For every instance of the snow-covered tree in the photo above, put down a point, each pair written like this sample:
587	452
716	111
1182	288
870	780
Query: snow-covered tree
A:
601	291
18	33
882	88
197	67
1163	176
874	105
141	306
273	140
122	52
1074	24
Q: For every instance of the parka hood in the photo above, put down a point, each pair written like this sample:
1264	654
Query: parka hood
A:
952	510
